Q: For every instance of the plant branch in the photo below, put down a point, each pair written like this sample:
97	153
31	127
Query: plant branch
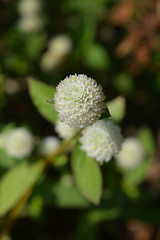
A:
15	212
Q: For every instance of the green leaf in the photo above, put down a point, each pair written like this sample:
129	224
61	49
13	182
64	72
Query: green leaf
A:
34	208
124	83
117	108
16	182
145	136
106	114
87	175
96	216
5	160
62	194
40	93
97	57
68	196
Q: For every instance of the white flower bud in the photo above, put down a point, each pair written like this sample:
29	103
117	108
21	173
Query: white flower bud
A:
49	146
60	46
79	101
19	143
30	24
49	61
132	153
11	86
102	140
29	7
64	130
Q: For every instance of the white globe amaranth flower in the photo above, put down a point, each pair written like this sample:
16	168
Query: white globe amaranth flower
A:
19	143
30	24
49	146
11	86
102	140
131	154
79	101
29	7
49	61
60	45
64	130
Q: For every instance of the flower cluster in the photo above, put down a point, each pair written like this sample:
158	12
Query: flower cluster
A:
58	48
30	20
29	7
79	101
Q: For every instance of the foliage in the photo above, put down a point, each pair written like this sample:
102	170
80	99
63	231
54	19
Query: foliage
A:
65	190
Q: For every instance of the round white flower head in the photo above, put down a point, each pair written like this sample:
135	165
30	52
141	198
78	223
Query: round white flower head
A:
29	7
60	45
49	146
64	130
11	86
49	61
30	24
102	140
19	143
79	101
132	153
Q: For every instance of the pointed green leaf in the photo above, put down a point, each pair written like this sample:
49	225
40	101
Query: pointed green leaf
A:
87	175
106	114
117	108
40	93
16	182
145	136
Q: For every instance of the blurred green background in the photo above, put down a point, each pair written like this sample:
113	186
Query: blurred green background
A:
118	44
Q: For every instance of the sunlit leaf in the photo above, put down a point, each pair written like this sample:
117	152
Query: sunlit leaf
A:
16	182
87	175
117	108
40	93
